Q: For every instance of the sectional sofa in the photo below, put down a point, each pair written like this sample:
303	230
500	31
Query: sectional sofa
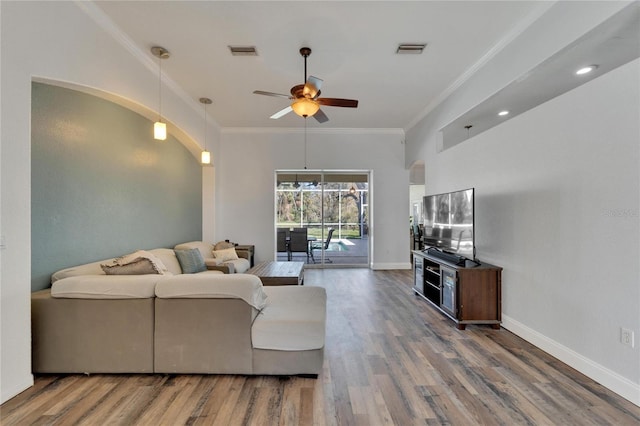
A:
174	322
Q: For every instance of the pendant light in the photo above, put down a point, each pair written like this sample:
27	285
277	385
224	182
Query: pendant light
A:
205	157
160	128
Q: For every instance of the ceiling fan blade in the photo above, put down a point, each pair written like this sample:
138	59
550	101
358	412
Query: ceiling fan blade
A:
320	116
282	112
312	87
337	102
279	95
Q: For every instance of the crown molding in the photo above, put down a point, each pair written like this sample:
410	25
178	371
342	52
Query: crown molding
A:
516	31
145	58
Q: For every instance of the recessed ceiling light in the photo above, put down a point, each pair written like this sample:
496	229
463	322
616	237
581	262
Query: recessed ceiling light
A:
502	113
586	70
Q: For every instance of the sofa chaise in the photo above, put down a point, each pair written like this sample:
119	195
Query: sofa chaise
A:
174	322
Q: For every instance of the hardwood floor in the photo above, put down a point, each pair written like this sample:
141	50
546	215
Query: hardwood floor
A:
390	359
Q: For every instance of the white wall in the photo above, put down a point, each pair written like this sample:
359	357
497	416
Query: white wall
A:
557	204
57	41
245	195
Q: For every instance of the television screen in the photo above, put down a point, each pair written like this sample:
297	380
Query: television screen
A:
448	222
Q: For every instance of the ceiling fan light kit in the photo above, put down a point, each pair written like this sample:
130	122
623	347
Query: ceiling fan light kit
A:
306	98
305	107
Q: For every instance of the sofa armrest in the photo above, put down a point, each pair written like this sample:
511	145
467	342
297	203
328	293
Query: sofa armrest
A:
226	268
214	264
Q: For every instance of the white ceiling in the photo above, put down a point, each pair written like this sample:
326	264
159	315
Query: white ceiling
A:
353	46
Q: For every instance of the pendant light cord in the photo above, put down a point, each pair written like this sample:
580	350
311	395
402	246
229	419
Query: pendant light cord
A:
160	88
205	125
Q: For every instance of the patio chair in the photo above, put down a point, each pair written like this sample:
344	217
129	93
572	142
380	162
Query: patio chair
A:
298	242
282	243
319	245
417	237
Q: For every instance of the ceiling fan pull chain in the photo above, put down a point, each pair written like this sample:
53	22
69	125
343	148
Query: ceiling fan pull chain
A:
305	143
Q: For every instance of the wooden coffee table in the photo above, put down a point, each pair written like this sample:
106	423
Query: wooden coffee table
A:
279	273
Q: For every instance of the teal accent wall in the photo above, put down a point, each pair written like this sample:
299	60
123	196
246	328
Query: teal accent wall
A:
101	186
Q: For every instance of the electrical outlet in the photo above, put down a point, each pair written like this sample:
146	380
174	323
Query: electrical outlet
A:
626	337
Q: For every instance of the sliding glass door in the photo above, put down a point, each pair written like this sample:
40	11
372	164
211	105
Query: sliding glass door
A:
333	207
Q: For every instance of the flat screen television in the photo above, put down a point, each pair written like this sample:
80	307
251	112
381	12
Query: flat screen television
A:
448	222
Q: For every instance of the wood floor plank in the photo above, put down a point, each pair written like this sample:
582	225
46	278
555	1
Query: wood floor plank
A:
394	400
213	400
323	401
82	408
390	359
306	406
291	402
39	404
230	399
183	402
134	403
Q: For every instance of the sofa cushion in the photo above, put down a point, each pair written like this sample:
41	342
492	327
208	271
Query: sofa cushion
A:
225	254
204	248
292	320
168	258
191	261
213	286
106	287
92	268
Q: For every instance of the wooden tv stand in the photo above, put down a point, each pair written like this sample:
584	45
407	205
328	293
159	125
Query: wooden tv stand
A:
467	294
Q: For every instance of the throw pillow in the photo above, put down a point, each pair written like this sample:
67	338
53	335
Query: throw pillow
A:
138	267
191	261
225	254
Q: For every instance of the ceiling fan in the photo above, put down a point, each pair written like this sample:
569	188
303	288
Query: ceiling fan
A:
305	97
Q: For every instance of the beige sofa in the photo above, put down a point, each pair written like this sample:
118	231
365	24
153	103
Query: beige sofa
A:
207	323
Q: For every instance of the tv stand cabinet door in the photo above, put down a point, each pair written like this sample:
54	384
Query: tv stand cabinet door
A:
418	274
479	295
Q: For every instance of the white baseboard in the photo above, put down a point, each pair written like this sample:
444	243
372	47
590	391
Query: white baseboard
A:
387	266
607	378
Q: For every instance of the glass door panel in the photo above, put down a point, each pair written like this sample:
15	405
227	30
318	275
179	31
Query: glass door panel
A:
328	204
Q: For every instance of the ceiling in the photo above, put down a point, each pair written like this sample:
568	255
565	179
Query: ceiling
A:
353	50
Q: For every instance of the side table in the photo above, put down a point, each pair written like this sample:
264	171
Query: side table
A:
249	249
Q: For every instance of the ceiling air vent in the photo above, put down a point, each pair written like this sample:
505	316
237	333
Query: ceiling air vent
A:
243	50
411	48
